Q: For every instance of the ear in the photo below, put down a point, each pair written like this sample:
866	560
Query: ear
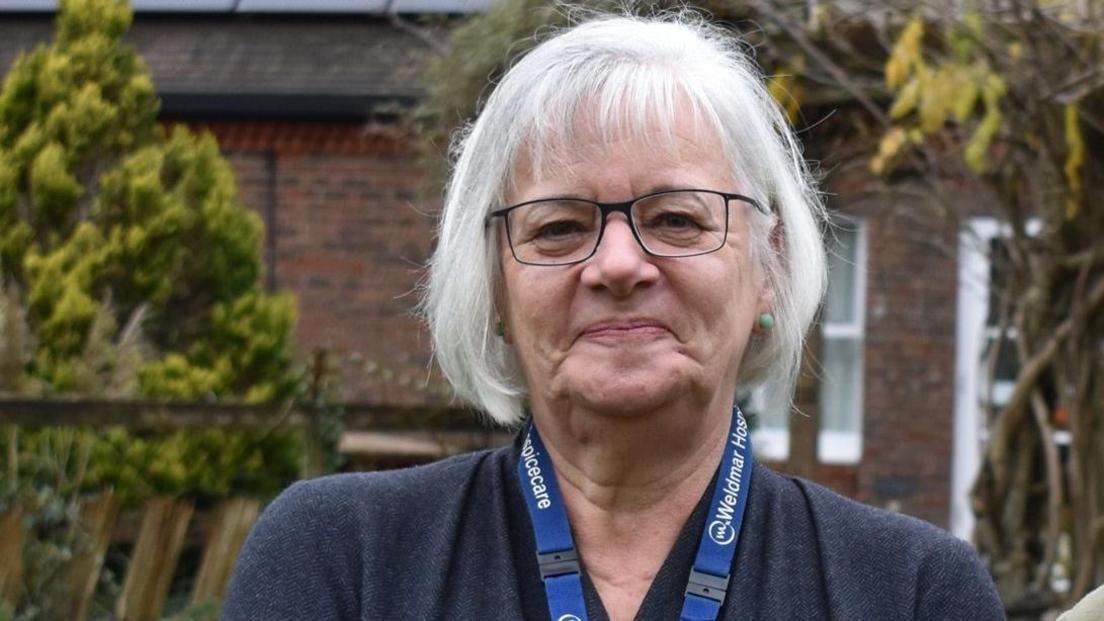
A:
502	330
501	326
766	298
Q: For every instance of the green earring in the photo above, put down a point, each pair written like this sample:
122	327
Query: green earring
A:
500	328
766	321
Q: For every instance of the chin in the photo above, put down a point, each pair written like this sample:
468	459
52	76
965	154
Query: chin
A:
627	393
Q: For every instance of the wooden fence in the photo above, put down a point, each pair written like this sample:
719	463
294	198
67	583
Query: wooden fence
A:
451	428
167	524
149	574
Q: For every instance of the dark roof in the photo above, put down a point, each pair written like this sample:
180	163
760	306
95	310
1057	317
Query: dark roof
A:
272	66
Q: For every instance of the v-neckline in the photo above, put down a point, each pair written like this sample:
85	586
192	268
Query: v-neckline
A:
664	597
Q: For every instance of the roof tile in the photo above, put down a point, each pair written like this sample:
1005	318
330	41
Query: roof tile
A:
258	55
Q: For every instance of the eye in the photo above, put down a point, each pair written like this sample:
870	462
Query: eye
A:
676	222
559	228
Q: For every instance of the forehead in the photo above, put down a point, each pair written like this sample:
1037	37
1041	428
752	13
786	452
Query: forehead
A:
642	151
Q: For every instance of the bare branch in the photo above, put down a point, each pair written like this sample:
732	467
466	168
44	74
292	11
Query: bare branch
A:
820	58
1078	87
1031	372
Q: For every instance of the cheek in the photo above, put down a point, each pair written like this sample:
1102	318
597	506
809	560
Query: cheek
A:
538	305
726	302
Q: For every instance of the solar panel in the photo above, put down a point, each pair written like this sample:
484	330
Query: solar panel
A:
191	6
369	7
439	6
311	6
28	5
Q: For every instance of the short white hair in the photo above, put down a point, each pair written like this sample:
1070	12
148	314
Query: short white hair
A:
623	71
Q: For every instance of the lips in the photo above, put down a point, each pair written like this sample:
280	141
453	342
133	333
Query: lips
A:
625	328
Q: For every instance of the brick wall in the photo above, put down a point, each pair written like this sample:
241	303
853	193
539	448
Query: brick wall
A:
910	359
908	400
347	234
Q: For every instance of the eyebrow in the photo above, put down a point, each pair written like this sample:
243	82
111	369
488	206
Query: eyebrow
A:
665	186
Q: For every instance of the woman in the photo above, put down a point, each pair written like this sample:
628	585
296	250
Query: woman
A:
630	238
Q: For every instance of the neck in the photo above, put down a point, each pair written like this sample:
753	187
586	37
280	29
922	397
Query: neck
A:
628	485
632	464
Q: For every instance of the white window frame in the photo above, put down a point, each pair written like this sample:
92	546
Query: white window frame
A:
972	310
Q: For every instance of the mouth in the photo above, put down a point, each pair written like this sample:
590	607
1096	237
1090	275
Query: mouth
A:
625	329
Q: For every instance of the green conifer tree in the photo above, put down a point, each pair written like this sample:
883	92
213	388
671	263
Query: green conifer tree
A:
109	223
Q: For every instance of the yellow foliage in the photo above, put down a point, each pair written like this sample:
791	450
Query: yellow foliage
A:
55	78
906	99
977	149
91	116
114	232
784	89
54	189
905	54
73	313
965	97
935	99
1074	160
8	189
111	17
889	146
964	38
951	92
995	88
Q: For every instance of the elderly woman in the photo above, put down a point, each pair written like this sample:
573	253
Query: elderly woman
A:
630	239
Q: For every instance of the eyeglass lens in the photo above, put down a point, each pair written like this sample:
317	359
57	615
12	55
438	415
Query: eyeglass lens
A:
669	224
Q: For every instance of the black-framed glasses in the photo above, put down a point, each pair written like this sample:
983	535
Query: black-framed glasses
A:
671	223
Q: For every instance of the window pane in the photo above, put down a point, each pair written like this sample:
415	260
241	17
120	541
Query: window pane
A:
999	264
841	386
842	277
1007	365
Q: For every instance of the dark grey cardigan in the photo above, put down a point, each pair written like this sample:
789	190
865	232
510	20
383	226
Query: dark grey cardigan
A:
452	540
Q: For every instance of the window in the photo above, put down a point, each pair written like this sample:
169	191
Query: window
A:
840	365
841	358
982	257
1000	353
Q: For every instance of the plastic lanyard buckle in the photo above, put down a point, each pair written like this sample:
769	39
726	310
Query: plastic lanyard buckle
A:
707	585
558	563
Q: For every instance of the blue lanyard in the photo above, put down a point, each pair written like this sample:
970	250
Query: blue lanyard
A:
559	562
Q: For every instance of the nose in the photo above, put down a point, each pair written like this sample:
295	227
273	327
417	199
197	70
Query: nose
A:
619	263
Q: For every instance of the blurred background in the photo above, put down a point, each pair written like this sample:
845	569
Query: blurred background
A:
214	216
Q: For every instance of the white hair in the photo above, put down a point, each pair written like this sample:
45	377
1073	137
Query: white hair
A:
623	72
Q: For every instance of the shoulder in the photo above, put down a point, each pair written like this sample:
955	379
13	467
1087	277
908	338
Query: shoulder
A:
305	557
367	503
869	555
359	496
366	489
840	518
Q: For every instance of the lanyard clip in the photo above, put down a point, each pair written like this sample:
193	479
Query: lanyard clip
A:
707	585
558	563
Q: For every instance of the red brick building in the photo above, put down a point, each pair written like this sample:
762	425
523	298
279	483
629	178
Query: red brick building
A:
303	105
